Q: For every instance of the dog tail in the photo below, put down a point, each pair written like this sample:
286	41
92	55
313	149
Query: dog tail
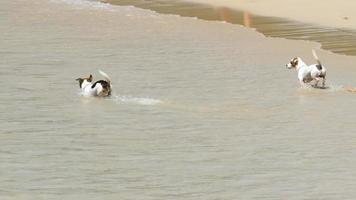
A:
319	65
107	78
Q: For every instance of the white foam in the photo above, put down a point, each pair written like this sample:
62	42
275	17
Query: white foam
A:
138	100
86	4
128	11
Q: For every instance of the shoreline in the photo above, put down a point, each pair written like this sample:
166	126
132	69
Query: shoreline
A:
336	40
233	122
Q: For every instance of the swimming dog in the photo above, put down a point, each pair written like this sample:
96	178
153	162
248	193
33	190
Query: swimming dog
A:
307	74
101	88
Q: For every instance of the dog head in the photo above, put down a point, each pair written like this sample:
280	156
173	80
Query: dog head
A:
293	63
84	80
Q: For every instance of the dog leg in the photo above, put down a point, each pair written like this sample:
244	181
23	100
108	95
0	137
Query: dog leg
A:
317	80
303	84
323	83
316	83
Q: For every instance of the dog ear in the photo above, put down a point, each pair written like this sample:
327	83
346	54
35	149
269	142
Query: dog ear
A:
90	78
80	81
294	62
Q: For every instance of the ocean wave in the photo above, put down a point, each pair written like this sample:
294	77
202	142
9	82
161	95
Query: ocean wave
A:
128	10
85	4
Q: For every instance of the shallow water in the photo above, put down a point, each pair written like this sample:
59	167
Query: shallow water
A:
201	110
337	40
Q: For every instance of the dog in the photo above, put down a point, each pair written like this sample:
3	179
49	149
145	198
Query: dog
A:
101	88
307	74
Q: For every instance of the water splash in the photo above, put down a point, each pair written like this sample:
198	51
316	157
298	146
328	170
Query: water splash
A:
137	100
331	88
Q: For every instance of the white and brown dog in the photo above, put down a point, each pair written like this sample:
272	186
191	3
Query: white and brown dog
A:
307	74
101	88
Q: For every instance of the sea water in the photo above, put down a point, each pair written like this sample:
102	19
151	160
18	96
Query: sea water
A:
200	109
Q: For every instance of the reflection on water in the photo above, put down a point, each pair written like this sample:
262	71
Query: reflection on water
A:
341	41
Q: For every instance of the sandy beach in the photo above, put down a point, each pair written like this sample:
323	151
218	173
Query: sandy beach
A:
329	13
201	108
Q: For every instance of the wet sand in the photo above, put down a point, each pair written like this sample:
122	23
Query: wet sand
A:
335	39
328	13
